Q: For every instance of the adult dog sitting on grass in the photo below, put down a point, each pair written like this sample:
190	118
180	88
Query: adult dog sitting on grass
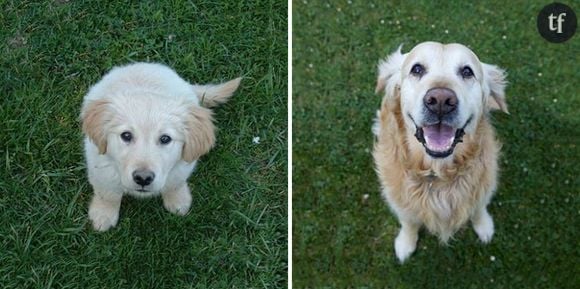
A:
436	151
145	129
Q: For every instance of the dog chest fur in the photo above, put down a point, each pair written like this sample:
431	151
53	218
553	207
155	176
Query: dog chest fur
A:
439	194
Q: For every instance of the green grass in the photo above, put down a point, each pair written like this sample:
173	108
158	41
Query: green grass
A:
235	235
342	241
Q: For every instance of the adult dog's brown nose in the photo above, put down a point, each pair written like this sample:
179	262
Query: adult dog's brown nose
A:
440	100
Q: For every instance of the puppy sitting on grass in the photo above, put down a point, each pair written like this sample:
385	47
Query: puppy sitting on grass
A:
145	129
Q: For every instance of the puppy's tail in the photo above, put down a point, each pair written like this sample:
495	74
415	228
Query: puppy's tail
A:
212	95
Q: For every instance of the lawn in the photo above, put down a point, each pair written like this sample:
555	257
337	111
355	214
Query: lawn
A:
341	239
236	233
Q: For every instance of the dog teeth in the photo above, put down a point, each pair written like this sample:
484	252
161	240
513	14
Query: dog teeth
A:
446	147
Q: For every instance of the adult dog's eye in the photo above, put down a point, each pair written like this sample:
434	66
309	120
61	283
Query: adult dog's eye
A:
165	139
126	136
418	70
466	72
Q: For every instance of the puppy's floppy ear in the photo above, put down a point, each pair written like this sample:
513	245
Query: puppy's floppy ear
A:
211	95
390	73
199	133
94	116
495	82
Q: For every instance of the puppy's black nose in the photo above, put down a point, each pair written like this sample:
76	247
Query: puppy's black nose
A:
143	177
440	100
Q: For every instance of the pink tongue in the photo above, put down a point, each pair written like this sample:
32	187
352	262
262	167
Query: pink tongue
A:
439	137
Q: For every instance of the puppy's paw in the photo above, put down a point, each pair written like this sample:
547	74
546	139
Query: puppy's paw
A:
405	245
177	202
484	227
103	222
103	215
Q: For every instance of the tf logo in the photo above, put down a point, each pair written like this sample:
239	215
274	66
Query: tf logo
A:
557	22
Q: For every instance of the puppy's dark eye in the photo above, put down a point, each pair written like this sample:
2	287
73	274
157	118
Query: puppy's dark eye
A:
165	139
466	72
418	70
126	136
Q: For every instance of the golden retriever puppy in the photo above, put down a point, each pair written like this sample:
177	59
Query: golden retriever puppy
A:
435	151
145	129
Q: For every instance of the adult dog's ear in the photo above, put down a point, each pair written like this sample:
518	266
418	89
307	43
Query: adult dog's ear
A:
211	95
199	133
494	79
389	79
94	117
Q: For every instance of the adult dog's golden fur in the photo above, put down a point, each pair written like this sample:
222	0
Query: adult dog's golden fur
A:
436	151
442	195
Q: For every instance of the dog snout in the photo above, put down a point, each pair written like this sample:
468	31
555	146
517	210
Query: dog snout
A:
440	101
143	177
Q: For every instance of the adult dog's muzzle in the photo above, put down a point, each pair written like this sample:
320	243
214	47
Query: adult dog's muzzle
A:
437	133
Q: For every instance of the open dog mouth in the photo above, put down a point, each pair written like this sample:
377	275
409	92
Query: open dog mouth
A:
439	139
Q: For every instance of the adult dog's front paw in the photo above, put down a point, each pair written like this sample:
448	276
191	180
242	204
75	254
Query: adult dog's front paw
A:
405	245
178	201
483	226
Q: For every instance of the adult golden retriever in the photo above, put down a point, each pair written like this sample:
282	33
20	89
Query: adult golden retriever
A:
435	150
145	129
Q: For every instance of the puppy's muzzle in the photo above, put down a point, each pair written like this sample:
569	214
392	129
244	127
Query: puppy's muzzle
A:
143	177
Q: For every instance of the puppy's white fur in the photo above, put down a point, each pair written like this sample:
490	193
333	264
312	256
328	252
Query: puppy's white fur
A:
438	193
148	101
